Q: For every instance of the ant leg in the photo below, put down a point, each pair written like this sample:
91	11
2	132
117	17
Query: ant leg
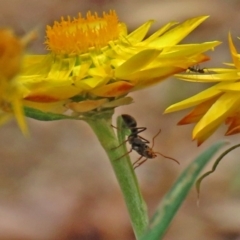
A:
125	154
120	144
136	130
114	127
139	163
139	129
144	139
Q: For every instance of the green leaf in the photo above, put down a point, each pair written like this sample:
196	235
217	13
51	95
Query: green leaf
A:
44	116
174	198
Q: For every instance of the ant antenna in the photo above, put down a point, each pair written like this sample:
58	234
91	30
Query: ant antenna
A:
168	157
155	137
161	153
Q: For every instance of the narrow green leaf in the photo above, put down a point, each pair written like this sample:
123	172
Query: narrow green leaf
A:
174	198
44	116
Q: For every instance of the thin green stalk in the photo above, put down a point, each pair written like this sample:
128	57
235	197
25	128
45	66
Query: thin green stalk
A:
214	167
124	173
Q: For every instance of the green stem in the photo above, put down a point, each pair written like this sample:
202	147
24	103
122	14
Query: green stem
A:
124	173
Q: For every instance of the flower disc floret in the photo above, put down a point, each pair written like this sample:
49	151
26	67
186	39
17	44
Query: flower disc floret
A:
78	35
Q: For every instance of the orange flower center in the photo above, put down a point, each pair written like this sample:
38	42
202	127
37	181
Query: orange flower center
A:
80	34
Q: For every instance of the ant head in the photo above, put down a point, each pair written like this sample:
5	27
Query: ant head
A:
149	152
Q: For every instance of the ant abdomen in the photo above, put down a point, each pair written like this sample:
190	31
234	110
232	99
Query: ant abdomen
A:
129	121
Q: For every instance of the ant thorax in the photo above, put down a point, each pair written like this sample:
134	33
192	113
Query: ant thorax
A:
196	69
134	139
141	147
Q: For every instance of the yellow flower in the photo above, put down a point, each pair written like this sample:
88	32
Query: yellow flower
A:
11	50
94	63
216	104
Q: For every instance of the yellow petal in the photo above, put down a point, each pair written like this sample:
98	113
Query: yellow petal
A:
118	102
113	90
234	122
61	68
53	107
233	50
198	112
19	114
138	34
49	90
233	87
210	76
233	130
11	50
176	34
91	83
151	76
182	62
220	110
189	49
85	106
137	62
195	100
157	33
203	137
36	65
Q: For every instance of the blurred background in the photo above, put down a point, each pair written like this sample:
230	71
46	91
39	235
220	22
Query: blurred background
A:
58	184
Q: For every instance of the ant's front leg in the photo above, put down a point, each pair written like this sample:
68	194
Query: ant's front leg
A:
145	140
139	129
137	163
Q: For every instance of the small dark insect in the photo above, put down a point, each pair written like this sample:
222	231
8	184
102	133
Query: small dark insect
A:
196	69
138	143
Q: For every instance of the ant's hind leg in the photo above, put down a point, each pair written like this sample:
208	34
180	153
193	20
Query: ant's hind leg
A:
124	154
114	127
137	162
120	144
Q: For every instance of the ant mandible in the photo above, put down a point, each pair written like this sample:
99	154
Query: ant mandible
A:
138	143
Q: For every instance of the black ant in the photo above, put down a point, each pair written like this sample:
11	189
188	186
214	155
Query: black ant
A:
138	143
196	69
